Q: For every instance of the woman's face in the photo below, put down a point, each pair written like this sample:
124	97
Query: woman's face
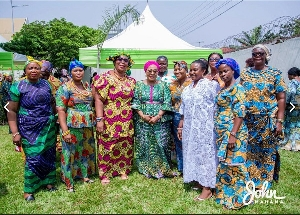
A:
196	72
180	72
213	60
163	64
151	73
258	56
291	77
33	71
9	78
226	73
121	63
77	74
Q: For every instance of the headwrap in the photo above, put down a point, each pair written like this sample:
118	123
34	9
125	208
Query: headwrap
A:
116	56
149	63
74	64
232	64
266	49
181	64
46	66
32	60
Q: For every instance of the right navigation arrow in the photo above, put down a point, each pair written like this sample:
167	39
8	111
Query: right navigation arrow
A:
292	106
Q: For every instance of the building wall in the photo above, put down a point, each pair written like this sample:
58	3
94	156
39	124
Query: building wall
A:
284	55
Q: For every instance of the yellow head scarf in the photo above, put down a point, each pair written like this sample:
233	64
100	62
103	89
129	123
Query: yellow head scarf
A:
32	60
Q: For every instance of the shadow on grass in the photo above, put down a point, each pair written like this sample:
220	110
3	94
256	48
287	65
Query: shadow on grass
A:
3	189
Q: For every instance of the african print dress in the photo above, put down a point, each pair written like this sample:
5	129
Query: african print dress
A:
232	174
198	137
78	158
176	91
261	87
36	123
152	141
292	118
115	152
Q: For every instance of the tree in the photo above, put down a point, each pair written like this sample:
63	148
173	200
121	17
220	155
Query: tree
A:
290	29
112	18
57	41
256	36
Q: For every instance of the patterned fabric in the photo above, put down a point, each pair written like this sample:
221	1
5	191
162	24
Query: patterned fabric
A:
152	142
261	87
198	138
55	84
36	126
232	174
78	158
176	90
78	105
5	91
115	153
292	119
2	111
169	78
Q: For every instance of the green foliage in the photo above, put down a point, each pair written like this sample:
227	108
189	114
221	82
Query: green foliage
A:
137	195
256	36
291	29
57	40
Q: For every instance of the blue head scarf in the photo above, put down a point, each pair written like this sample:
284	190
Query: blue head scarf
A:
232	64
73	64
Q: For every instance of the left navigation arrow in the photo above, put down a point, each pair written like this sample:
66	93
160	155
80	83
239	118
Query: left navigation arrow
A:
5	106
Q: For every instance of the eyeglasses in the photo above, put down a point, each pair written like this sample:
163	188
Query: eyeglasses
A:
123	59
214	59
257	54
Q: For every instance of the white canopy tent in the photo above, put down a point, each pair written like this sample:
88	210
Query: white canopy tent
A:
144	41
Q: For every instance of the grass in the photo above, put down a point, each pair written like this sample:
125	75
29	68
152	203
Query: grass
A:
137	195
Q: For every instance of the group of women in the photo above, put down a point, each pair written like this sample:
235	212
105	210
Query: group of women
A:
225	133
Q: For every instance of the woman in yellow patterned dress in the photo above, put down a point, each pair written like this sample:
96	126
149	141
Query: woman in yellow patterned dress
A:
232	132
113	96
265	102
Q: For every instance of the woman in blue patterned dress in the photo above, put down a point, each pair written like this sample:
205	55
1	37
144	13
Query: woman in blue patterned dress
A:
292	120
152	124
232	134
265	104
32	122
76	119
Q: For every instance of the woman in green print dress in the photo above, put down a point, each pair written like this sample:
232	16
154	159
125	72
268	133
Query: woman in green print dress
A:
152	99
76	119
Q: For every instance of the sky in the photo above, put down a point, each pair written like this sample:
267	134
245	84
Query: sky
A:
198	22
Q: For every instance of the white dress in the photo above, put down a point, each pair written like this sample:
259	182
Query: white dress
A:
198	137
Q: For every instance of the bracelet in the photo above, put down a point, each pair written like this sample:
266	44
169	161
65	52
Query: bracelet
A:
14	135
233	134
279	120
65	133
98	119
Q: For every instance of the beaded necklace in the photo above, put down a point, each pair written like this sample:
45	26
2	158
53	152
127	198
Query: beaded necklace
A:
81	92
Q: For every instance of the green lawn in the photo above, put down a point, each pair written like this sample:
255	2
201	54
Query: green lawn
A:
137	195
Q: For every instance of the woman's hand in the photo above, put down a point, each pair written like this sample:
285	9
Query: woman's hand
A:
154	119
278	129
17	140
146	118
231	142
100	126
67	138
179	134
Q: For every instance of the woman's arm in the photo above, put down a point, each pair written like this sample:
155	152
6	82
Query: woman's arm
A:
13	108
237	121
99	108
280	113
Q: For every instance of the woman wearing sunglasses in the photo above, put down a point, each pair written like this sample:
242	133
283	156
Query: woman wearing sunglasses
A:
265	102
113	92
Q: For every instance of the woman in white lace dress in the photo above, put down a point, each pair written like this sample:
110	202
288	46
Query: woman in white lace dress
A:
196	129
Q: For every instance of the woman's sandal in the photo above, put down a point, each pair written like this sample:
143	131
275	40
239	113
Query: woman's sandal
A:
200	199
105	181
89	181
30	198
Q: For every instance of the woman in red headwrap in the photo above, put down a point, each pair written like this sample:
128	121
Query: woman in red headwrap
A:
152	101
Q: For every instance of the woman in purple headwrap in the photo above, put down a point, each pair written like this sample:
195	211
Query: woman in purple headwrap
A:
232	133
152	101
